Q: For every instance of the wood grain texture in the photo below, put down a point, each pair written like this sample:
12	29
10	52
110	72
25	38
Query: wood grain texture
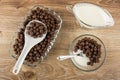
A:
13	11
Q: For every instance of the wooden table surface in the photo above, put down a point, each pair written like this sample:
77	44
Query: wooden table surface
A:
13	11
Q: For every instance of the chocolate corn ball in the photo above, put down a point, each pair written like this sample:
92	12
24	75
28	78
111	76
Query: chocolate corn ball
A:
90	48
36	29
38	50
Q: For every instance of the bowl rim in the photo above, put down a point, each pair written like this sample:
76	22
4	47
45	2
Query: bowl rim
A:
104	52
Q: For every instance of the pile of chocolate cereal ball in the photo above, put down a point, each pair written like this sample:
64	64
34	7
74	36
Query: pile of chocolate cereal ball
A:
90	48
38	50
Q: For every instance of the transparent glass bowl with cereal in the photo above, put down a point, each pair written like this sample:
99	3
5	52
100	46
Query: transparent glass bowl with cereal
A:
93	52
53	22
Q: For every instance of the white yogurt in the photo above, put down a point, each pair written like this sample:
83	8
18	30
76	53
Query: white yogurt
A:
81	60
92	14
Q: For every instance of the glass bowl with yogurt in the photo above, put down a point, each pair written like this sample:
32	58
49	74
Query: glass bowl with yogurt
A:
81	62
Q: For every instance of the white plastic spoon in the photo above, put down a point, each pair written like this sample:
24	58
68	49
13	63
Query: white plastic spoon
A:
29	43
64	57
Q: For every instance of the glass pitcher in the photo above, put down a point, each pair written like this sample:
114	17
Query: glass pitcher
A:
91	16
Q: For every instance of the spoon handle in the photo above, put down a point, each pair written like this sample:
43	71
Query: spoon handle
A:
65	57
21	59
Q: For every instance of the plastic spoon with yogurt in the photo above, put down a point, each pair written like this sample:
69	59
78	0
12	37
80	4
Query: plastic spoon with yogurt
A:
69	56
29	43
78	56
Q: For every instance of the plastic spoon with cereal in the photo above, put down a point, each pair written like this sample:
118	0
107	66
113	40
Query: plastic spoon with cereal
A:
35	32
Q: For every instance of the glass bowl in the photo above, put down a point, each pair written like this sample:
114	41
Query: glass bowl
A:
11	50
96	65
